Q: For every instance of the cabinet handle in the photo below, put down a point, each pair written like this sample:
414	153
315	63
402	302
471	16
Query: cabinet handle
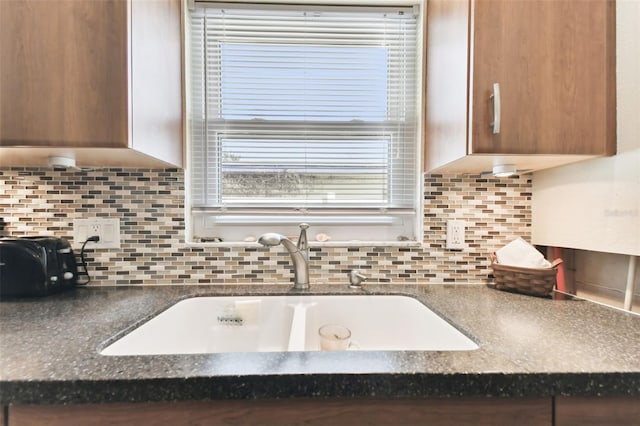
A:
495	96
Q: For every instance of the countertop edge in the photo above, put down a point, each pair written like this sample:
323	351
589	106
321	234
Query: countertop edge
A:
379	385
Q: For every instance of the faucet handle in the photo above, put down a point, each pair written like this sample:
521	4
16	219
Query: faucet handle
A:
356	278
303	243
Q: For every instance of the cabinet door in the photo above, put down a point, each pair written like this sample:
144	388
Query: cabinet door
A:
555	64
326	411
586	411
63	75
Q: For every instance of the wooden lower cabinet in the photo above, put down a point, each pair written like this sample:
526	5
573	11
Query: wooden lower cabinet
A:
564	411
588	411
334	412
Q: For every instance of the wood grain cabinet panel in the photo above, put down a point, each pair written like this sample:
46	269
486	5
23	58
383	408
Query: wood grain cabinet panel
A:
333	412
554	62
568	411
96	80
597	411
64	73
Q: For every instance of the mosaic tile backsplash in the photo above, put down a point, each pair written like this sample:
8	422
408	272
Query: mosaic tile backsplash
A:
150	206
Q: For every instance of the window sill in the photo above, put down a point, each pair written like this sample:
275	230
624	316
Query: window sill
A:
354	243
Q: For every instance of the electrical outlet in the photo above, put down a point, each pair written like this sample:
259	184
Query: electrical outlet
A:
95	228
455	235
108	229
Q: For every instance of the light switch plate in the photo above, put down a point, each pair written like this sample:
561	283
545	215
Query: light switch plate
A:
455	235
108	229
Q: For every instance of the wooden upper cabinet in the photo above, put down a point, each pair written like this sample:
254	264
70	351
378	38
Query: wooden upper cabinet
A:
64	73
553	64
96	80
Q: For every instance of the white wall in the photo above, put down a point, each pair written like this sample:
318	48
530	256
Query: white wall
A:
595	205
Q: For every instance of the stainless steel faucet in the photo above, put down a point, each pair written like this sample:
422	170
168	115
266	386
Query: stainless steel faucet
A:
299	254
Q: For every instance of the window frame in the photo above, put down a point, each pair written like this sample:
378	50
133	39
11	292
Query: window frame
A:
328	221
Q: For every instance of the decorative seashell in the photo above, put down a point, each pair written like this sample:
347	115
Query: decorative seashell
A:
250	239
322	237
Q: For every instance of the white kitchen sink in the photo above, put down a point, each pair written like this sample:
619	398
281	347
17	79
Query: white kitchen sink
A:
290	323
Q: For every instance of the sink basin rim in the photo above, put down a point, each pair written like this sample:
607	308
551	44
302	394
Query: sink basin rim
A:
106	348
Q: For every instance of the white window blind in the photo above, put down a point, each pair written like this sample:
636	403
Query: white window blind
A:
302	109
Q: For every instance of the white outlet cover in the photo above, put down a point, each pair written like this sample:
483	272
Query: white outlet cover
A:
456	235
108	229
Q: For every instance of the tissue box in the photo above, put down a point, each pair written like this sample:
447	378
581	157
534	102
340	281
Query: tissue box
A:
532	281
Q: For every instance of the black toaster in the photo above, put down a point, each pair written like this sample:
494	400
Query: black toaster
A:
36	266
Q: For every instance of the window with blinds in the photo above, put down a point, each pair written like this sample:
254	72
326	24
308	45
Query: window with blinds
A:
302	113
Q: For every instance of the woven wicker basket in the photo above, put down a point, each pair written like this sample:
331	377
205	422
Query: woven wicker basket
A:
532	281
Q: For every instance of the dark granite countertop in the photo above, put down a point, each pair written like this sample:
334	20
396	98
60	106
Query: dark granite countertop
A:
528	347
